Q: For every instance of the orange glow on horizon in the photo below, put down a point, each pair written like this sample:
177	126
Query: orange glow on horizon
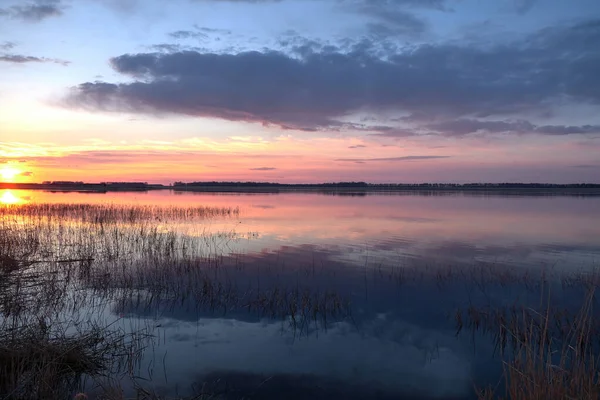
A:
283	158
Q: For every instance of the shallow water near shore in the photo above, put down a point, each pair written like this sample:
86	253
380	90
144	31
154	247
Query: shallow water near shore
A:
301	295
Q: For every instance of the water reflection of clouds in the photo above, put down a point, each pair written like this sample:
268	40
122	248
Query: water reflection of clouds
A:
399	337
395	252
390	355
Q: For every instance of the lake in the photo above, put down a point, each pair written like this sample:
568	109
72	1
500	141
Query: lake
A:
305	295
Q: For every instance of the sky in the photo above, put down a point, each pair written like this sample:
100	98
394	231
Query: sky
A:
300	90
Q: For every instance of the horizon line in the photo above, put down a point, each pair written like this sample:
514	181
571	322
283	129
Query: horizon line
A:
355	183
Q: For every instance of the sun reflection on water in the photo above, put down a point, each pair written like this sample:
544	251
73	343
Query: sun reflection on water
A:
7	197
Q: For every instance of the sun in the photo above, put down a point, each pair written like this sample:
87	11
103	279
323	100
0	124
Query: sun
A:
9	173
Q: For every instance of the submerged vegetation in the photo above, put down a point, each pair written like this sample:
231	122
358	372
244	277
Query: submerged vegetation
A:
70	273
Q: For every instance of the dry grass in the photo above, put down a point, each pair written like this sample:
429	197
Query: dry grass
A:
37	361
114	213
549	363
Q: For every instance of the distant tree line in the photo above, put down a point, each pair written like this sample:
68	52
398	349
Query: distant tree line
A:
63	183
108	184
328	185
272	184
125	184
389	185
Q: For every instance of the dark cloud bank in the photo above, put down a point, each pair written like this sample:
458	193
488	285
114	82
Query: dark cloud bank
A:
444	89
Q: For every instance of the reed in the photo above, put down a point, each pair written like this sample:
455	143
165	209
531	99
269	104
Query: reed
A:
114	213
549	360
41	361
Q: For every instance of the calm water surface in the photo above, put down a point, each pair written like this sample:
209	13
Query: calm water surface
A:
399	339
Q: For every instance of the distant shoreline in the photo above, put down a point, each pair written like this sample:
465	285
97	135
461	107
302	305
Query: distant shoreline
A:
227	187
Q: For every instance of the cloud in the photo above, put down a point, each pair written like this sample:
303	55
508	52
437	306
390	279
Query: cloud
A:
263	169
317	88
568	129
358	146
26	173
393	132
21	59
124	156
440	5
212	30
166	47
394	22
462	127
200	32
35	11
524	6
188	35
392	17
392	159
7	45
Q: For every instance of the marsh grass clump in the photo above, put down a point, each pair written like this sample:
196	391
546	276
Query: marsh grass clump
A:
305	309
17	245
206	285
550	360
115	213
42	361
